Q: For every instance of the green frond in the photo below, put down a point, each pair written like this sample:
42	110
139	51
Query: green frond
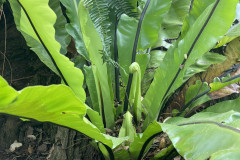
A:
99	13
122	7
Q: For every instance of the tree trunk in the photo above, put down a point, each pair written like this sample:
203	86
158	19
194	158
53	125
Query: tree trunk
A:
21	68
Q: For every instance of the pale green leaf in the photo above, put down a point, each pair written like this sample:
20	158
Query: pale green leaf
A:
156	58
35	45
152	23
204	134
231	154
7	94
95	119
40	13
100	72
56	104
127	28
127	129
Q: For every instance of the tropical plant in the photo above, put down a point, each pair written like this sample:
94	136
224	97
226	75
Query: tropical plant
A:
132	58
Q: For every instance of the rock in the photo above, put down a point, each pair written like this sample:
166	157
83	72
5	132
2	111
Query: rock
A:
31	137
14	146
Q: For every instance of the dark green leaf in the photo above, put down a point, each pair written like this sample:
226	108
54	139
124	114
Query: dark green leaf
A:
140	139
73	28
61	34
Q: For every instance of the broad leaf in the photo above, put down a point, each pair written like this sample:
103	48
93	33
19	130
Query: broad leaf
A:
127	26
73	28
192	46
204	134
61	35
96	119
35	45
9	93
203	63
195	90
232	154
156	58
100	71
32	25
127	29
225	106
140	139
198	7
233	33
64	109
152	23
172	22
104	151
143	60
